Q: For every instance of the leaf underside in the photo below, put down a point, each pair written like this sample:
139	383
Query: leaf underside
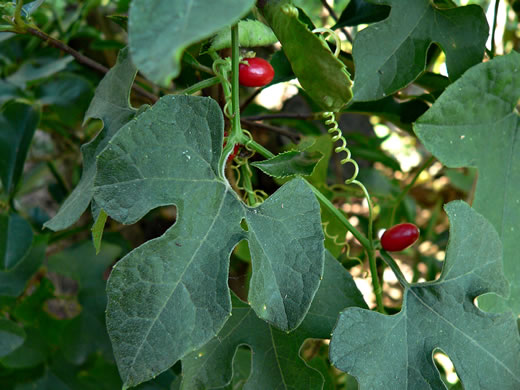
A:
160	30
111	104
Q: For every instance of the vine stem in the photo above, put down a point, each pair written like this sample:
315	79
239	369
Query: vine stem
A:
493	32
236	130
395	268
365	242
405	190
200	85
18	14
81	58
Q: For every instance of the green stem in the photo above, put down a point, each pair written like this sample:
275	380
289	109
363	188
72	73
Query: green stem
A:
200	85
403	193
236	130
495	17
18	14
395	268
376	285
248	186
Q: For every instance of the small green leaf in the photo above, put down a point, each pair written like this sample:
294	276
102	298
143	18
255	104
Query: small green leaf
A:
12	336
276	360
13	281
391	54
395	352
324	77
15	139
251	33
361	12
97	230
169	155
36	70
475	124
16	238
111	104
32	352
290	163
160	30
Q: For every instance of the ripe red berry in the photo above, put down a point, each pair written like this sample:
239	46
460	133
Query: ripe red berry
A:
257	73
399	237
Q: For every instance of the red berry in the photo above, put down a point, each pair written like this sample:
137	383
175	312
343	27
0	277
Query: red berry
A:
399	237
257	73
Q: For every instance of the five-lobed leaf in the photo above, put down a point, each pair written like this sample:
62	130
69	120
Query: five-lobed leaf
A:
276	363
396	352
111	104
392	53
160	30
170	295
475	123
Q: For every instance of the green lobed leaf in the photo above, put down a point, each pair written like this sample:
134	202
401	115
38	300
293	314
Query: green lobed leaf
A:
13	281
111	104
16	238
18	123
276	361
160	30
324	77
475	124
396	352
251	33
290	163
12	336
86	333
391	54
170	295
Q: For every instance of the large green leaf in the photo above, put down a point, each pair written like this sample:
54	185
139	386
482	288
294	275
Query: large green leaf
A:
86	333
170	295
12	336
110	104
160	30
324	77
391	54
475	123
18	123
396	352
16	238
276	361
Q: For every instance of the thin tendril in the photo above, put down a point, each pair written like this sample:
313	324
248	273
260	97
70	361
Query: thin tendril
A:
334	35
337	135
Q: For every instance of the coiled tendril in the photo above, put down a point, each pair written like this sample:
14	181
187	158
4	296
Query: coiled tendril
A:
337	135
